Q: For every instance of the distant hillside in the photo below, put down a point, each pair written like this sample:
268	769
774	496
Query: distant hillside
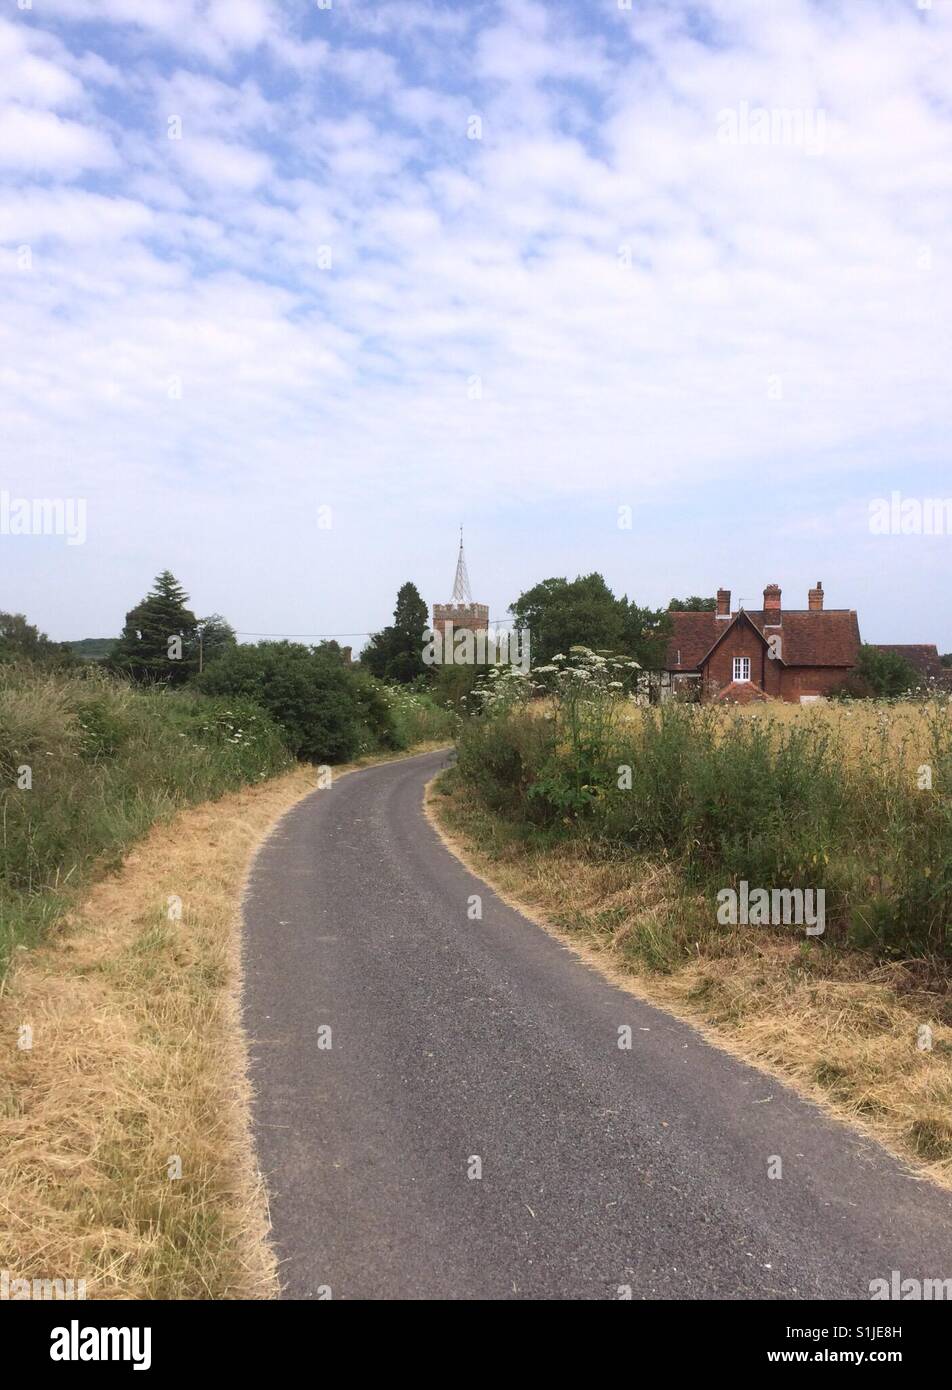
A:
92	648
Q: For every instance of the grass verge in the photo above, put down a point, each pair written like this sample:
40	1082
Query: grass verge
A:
842	1028
137	1070
89	763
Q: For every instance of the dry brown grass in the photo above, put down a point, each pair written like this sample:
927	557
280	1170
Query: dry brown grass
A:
137	1057
895	732
840	1029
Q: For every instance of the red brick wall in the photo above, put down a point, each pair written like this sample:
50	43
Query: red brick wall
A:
741	641
775	679
472	616
811	680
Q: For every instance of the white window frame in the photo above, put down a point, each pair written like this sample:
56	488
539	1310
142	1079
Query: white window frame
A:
742	663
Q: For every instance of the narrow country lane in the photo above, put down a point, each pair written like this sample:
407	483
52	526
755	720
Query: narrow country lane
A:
454	1040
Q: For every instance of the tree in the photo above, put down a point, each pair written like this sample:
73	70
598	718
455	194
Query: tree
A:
646	635
560	614
22	641
694	604
881	674
327	711
215	637
159	638
92	648
584	612
396	653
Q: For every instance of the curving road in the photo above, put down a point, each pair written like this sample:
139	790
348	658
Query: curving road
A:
602	1170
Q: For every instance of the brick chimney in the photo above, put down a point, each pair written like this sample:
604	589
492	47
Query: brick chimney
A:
815	598
723	603
772	603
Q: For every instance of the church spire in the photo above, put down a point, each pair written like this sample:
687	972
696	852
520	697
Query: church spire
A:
461	614
461	589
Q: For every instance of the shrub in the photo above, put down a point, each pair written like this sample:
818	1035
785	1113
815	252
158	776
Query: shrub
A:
418	716
322	706
881	674
381	726
105	761
731	795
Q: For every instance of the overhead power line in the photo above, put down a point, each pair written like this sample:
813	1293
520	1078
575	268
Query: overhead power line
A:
462	593
240	632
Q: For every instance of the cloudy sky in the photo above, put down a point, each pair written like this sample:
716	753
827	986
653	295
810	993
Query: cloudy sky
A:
397	266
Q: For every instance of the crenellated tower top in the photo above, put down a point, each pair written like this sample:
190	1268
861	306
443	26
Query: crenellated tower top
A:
462	612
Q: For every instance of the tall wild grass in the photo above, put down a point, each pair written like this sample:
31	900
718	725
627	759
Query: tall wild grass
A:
417	717
88	763
855	800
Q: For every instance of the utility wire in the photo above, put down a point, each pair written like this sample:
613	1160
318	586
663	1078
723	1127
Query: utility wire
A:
239	632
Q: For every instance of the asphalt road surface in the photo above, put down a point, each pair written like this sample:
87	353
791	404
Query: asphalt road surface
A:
469	1126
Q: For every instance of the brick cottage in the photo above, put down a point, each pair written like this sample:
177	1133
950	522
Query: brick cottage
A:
797	655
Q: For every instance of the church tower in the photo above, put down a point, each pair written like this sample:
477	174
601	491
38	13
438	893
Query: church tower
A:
462	612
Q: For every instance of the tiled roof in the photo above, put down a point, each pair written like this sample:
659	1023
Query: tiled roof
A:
825	637
692	636
924	656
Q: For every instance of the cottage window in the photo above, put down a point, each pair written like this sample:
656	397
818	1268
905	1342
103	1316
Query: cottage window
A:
742	668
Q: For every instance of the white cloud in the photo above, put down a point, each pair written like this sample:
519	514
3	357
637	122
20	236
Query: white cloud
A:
70	216
624	286
213	29
240	23
220	163
29	77
41	141
406	17
523	49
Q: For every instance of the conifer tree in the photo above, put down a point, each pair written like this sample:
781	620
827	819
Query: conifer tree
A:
396	653
158	641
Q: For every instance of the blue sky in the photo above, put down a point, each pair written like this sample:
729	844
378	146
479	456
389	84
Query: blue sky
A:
328	294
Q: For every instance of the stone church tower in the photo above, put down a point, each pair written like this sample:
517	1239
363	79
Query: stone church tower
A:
462	612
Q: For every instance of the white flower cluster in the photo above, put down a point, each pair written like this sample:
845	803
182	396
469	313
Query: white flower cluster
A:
581	673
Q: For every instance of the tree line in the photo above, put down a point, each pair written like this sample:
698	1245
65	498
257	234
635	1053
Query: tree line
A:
558	613
163	642
327	710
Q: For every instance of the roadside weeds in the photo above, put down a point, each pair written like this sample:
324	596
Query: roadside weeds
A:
136	1072
840	1029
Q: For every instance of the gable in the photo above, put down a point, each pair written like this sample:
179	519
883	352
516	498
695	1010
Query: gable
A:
825	637
733	634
